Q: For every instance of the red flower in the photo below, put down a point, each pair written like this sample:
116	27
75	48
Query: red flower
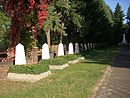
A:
32	2
44	6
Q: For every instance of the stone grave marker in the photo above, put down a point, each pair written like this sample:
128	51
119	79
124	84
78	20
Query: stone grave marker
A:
76	48
20	58
71	49
60	50
45	51
85	46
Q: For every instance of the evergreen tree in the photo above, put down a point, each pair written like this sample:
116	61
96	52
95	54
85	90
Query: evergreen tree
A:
128	16
118	23
128	23
99	19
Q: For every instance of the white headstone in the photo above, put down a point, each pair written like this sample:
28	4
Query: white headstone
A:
81	46
76	48
85	46
91	45
71	49
20	58
124	39
45	52
60	50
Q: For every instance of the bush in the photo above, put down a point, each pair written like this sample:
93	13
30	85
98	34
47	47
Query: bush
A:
45	62
54	61
71	57
58	61
29	69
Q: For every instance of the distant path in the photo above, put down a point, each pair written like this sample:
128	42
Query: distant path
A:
117	84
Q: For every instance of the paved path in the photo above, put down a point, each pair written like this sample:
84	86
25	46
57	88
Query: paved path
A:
117	84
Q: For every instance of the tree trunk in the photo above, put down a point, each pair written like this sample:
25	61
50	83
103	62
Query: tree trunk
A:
48	38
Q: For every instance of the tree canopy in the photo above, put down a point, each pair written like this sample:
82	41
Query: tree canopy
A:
64	21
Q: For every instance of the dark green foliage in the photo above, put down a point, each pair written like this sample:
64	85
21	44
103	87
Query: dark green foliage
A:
128	24
118	23
128	16
26	38
29	69
4	29
99	21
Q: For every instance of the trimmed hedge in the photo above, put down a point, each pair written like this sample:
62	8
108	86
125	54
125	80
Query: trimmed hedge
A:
54	61
71	57
29	69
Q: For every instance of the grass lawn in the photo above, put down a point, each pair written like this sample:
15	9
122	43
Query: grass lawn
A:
76	81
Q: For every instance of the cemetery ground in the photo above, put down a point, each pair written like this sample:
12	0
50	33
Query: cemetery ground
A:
76	81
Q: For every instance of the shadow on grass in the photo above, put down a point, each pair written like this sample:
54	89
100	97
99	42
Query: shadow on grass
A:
115	56
100	56
123	58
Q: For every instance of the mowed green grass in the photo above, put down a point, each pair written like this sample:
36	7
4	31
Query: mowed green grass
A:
76	81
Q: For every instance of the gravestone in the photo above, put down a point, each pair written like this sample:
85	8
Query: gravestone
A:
85	46
20	58
60	50
88	46
81	45
124	39
76	48
71	49
45	52
91	46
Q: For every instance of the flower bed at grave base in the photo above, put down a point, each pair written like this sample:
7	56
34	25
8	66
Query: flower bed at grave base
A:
27	77
28	73
54	61
62	61
29	69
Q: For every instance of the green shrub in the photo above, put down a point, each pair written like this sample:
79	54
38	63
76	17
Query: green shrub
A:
45	62
58	61
29	69
71	57
54	61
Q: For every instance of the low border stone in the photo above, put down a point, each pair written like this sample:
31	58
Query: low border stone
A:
27	77
58	67
81	58
74	61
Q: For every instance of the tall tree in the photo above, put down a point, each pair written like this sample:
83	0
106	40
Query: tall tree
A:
99	19
118	22
128	16
128	23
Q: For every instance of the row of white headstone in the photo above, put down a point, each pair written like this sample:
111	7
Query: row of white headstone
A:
20	57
